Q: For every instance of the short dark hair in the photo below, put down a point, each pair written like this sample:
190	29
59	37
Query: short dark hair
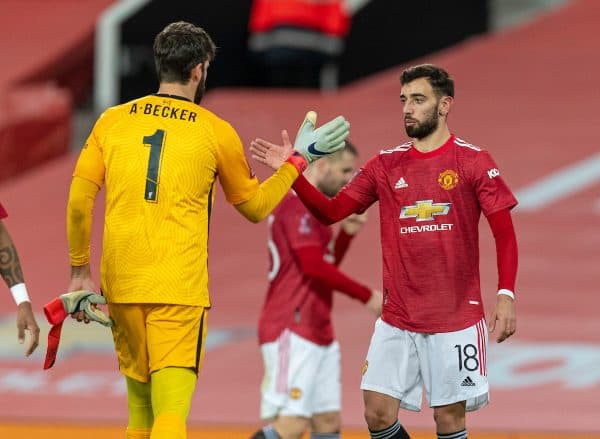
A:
180	47
350	148
441	82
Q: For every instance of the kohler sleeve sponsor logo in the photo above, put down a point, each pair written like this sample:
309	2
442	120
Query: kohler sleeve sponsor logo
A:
492	173
425	210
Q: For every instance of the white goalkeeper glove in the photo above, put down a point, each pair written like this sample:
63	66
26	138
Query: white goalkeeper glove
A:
313	143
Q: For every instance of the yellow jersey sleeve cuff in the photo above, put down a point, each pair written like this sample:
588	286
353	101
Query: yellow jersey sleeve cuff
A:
269	194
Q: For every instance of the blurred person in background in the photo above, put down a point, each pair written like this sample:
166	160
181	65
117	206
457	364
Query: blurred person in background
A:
159	157
10	269
296	43
302	385
431	192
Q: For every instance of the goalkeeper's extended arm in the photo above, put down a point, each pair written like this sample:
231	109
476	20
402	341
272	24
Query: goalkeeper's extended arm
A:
269	194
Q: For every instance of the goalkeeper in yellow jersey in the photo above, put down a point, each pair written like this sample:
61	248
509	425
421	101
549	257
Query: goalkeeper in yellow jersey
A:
159	157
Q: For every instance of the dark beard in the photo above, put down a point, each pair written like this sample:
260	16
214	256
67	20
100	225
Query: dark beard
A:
200	92
423	129
327	190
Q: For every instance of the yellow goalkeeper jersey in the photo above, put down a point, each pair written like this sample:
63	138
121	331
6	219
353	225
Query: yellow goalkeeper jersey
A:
159	157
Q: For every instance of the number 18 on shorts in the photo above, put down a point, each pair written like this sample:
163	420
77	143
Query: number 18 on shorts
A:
450	366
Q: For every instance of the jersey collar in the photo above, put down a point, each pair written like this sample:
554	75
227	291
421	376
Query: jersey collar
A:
165	95
436	152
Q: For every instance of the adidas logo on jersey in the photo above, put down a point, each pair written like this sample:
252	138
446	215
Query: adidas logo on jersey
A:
401	183
468	382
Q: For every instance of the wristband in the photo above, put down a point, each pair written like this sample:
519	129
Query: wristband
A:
298	161
506	292
19	293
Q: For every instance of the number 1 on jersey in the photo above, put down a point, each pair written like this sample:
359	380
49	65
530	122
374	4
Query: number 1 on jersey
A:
156	142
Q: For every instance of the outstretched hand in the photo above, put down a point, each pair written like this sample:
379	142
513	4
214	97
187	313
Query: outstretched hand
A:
311	143
270	154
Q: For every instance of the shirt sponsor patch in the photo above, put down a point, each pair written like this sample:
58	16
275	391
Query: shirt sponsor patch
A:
493	173
424	210
426	228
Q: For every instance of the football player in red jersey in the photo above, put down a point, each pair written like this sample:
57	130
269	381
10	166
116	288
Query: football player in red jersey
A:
301	387
11	272
431	192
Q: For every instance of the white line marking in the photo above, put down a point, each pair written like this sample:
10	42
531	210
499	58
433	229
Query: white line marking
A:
560	184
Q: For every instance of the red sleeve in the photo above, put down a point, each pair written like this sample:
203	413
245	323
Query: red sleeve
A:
326	210
3	213
342	243
364	185
492	191
313	266
506	248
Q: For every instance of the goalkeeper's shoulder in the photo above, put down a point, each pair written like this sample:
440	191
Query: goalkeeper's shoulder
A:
215	122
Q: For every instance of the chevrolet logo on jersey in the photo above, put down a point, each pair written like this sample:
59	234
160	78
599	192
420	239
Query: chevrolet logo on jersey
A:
425	210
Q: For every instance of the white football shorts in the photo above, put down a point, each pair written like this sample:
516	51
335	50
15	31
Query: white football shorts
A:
450	366
301	378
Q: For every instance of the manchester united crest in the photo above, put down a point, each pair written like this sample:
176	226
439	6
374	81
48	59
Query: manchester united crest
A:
448	179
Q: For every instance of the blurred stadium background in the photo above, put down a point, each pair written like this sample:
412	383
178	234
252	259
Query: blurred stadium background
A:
527	89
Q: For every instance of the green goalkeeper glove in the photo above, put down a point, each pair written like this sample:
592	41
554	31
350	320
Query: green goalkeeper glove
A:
313	143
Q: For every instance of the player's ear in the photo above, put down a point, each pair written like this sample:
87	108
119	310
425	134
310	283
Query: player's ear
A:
204	68
197	73
444	105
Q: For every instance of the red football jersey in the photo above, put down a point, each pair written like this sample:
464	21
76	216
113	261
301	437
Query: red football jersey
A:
293	300
430	205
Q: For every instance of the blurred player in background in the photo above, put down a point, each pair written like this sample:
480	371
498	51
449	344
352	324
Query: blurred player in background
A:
298	43
301	386
159	157
10	269
431	192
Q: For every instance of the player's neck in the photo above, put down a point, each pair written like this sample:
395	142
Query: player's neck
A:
434	140
175	89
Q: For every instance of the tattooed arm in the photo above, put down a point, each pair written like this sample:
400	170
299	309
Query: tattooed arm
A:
10	267
10	270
